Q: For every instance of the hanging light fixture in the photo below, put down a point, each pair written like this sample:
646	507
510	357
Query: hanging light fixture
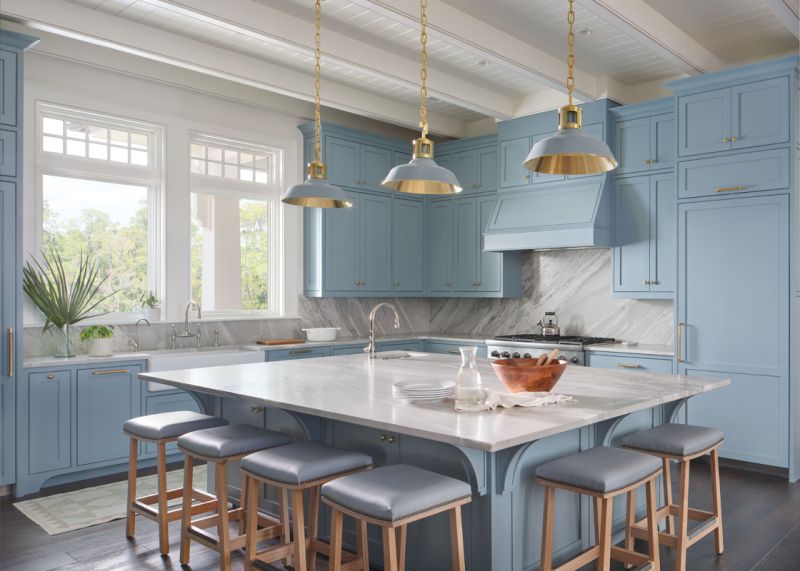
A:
422	175
570	151
316	191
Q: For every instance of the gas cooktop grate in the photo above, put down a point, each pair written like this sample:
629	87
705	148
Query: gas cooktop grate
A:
558	339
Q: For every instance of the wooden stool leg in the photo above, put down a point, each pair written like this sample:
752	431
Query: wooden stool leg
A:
313	526
251	485
186	512
716	500
604	561
362	545
456	540
389	549
683	517
402	532
243	504
335	553
630	519
597	525
299	532
130	523
163	522
286	526
547	529
652	526
223	528
668	494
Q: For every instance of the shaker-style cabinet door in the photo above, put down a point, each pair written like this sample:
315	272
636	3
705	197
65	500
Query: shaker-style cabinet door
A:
512	155
465	169
441	234
704	122
340	246
632	145
760	113
466	245
662	141
408	231
8	323
342	157
375	165
490	264
632	234
487	169
375	232
663	196
49	420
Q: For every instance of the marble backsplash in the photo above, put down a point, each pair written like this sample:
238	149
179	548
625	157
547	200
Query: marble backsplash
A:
574	283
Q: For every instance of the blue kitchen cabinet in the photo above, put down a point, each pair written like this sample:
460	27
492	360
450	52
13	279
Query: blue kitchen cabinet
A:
465	168
487	175
166	401
9	87
512	154
374	242
704	122
340	247
538	177
348	349
375	165
490	264
356	164
408	231
441	240
644	143
644	236
408	345
476	169
298	353
48	420
735	173
734	262
629	362
451	348
106	398
467	233
8	321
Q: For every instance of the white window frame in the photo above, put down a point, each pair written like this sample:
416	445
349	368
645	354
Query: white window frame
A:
268	192
151	177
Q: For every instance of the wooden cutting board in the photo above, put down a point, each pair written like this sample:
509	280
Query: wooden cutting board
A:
280	341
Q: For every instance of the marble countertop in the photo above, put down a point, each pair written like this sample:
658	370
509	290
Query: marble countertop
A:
451	337
642	348
50	361
358	390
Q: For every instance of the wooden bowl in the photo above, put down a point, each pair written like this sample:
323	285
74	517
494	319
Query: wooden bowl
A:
523	375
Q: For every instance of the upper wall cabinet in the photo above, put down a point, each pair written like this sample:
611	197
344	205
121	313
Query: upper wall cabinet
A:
747	115
473	161
356	165
512	155
644	137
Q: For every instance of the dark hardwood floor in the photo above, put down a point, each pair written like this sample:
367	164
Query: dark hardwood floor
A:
762	532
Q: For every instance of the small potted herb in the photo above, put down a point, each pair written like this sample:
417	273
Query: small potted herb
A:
151	306
100	338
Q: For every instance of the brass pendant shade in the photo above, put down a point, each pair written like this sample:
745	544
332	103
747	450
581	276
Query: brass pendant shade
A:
421	175
570	151
316	191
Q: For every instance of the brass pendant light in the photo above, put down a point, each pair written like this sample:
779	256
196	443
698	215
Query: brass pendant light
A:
422	175
570	151
316	191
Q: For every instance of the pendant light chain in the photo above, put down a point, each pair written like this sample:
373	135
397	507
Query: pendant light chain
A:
423	72
571	44
317	57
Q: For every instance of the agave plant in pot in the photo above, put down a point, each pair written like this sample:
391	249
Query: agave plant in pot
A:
64	300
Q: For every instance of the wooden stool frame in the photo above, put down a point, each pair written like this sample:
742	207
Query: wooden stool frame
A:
603	551
143	506
394	535
680	538
302	548
223	544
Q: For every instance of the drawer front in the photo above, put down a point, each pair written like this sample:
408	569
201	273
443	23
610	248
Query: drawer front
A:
731	174
348	350
626	362
399	346
298	353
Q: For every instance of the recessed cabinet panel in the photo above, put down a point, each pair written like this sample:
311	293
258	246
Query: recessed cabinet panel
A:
8	87
760	113
8	308
734	173
632	144
662	233
512	154
49	420
342	157
490	264
466	243
464	168
441	234
662	141
487	169
632	234
407	249
375	165
340	247
375	225
704	122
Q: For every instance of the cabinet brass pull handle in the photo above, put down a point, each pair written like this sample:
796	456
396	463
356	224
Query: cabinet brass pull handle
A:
10	352
649	162
299	351
396	284
680	327
648	282
382	438
733	139
453	352
629	365
391	439
50	376
111	372
256	409
729	188
726	140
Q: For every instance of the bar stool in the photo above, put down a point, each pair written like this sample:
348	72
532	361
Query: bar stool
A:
161	429
602	473
219	446
682	443
392	497
295	468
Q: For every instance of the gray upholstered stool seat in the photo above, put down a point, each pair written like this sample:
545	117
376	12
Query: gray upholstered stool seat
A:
303	462
600	469
168	425
395	492
674	439
234	440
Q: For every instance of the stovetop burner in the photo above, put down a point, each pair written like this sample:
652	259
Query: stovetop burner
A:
560	339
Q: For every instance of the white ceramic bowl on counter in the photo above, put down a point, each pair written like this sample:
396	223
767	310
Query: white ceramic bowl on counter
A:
321	333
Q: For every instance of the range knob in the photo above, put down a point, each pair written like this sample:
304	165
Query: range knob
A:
495	353
515	355
574	360
506	355
527	355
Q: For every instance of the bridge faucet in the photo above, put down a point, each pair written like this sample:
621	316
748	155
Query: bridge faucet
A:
370	349
134	343
186	333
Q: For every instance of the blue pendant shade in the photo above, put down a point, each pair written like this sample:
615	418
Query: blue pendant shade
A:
421	175
316	191
570	151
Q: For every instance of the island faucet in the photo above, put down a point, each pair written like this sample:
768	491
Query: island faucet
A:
370	349
186	333
134	343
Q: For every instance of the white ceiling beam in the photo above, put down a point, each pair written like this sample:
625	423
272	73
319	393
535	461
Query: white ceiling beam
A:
101	29
788	12
262	22
638	20
475	36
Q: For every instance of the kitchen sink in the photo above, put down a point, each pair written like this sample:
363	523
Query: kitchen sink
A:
195	359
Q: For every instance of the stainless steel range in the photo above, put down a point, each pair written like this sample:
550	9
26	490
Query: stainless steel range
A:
531	345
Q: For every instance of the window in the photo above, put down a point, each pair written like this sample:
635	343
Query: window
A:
98	184
235	226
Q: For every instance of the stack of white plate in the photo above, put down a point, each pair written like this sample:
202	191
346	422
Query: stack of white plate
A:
423	391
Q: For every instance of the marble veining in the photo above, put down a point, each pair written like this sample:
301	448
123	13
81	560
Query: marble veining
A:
351	314
355	389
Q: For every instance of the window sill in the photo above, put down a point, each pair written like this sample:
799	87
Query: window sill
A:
126	320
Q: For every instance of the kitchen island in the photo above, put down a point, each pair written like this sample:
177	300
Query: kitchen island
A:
347	401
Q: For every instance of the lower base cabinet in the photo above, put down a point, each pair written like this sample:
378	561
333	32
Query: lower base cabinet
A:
165	402
48	421
629	362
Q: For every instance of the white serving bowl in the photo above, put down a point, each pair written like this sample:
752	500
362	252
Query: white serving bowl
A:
321	333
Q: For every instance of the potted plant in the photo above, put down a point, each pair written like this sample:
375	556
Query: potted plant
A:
151	306
64	300
100	338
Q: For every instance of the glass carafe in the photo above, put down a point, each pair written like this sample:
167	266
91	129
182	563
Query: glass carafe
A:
469	392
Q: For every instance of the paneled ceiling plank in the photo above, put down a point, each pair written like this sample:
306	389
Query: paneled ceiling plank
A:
788	12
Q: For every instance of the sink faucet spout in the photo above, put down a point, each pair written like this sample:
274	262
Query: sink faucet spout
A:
370	349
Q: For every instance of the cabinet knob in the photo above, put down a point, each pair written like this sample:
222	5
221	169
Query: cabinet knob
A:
649	162
729	140
646	282
50	376
396	284
382	438
256	409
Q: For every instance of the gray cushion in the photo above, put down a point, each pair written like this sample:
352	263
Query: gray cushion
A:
394	492
674	439
170	424
303	462
226	441
600	469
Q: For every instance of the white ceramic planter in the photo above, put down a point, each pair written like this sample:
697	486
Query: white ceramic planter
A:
101	347
153	314
321	333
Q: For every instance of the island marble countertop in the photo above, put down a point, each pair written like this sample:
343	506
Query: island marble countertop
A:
352	388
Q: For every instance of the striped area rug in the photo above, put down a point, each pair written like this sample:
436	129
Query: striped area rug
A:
69	511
